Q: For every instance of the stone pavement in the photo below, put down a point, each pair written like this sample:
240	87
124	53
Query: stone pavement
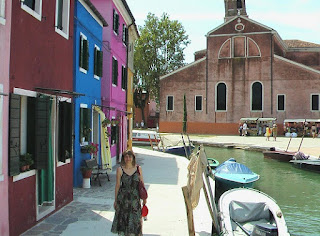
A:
91	211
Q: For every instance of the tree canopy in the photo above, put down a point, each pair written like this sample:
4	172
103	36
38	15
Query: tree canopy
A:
158	51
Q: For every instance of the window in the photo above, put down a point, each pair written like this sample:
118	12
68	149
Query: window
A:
33	7
315	102
170	104
124	34
115	22
98	58
239	4
62	17
114	71
221	99
85	125
198	103
256	96
65	131
2	13
84	53
281	102
124	78
114	134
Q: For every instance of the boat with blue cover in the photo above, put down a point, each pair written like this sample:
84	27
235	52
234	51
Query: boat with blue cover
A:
231	174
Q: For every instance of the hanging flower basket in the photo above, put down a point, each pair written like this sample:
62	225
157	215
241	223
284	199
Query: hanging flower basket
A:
114	122
91	148
106	123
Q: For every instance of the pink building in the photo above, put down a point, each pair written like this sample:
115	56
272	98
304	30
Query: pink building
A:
114	80
5	31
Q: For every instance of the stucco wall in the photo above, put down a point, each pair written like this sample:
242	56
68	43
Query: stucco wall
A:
4	84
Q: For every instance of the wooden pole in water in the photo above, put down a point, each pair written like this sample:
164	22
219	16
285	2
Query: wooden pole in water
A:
184	146
189	211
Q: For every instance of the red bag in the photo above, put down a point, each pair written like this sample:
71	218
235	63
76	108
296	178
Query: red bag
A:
144	211
142	190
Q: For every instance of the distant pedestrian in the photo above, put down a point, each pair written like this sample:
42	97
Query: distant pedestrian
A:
268	133
245	129
127	220
274	132
240	130
314	130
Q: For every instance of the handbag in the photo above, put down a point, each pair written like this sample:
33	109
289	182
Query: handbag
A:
142	190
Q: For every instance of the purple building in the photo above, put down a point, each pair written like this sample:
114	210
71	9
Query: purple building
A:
114	79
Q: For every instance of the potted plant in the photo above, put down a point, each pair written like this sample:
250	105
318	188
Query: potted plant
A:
29	160
86	172
23	165
106	122
91	148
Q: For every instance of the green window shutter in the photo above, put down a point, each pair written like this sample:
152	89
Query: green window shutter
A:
14	135
125	78
95	67
114	71
99	66
42	132
65	131
85	54
115	21
81	53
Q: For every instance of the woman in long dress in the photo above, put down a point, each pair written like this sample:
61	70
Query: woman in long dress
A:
127	220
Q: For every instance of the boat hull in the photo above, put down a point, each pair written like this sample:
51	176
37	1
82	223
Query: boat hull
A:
279	155
312	165
179	150
224	184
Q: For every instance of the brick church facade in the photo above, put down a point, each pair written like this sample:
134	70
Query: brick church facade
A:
246	70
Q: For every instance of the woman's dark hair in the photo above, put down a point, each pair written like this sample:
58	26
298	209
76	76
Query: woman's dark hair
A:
130	153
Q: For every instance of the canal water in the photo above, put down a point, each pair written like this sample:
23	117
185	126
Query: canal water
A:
296	191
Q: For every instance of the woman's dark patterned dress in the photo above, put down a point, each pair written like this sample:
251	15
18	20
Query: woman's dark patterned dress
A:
127	219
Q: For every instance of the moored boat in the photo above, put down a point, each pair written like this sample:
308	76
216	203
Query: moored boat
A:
178	150
231	174
245	211
278	155
213	163
143	137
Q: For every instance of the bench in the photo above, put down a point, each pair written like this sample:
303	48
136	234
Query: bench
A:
97	169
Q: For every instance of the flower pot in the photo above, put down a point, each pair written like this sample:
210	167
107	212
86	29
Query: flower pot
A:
86	183
86	174
23	168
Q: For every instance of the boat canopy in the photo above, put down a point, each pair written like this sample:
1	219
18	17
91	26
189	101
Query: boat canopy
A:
232	167
252	119
294	120
267	119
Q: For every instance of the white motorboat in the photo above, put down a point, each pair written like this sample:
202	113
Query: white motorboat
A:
244	211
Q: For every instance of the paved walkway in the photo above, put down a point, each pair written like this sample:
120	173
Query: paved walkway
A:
91	211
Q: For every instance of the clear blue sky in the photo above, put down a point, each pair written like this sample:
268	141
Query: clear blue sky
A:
292	19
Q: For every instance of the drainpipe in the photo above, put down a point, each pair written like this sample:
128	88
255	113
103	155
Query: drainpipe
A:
207	78
271	71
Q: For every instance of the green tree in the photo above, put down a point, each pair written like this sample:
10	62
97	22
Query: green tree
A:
185	118
158	51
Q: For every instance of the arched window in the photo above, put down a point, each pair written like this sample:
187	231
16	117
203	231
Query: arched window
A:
221	97
256	96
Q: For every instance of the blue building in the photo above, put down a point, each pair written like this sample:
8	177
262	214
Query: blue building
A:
88	58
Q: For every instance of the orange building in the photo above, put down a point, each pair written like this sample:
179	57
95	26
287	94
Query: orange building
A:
246	70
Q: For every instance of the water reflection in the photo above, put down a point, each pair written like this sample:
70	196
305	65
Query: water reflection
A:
295	190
